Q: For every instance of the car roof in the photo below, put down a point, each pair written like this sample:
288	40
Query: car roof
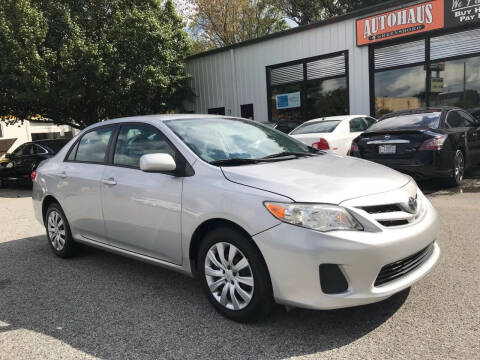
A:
339	117
166	117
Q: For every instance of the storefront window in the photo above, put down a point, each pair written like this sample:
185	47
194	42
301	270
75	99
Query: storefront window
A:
287	102
327	98
456	83
308	89
399	89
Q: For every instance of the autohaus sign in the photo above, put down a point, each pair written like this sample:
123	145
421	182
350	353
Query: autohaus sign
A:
415	19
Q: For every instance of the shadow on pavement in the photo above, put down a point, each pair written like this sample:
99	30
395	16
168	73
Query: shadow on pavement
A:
15	192
113	307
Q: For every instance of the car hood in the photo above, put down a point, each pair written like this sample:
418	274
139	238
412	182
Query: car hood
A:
326	178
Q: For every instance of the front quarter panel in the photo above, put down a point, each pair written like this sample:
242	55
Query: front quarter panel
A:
209	195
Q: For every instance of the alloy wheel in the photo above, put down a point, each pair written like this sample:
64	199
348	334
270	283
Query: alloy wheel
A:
229	276
56	230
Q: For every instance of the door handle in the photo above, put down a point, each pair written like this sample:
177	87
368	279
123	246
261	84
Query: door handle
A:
110	181
63	175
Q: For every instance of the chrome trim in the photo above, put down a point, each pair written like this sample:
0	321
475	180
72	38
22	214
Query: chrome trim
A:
398	141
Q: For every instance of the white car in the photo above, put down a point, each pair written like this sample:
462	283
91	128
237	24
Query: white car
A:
333	133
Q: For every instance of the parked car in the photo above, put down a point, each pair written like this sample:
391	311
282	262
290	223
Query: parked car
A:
286	126
475	112
24	159
425	143
332	133
254	214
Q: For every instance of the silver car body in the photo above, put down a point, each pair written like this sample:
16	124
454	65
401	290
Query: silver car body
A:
153	216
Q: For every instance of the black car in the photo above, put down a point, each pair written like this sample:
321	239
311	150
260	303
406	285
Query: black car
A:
26	158
425	143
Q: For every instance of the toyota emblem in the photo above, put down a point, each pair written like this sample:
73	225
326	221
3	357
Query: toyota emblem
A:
387	137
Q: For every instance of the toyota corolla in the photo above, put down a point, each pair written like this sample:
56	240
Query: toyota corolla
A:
255	215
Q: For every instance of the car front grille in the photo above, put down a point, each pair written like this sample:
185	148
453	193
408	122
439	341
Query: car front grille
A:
402	267
391	215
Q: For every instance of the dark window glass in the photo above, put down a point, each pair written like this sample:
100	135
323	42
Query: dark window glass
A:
18	151
456	83
225	138
56	145
324	126
38	149
246	111
400	89
457	119
410	121
327	98
73	152
358	125
28	150
137	140
217	111
287	103
93	146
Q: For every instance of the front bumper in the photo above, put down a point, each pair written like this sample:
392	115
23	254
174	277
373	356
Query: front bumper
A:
293	255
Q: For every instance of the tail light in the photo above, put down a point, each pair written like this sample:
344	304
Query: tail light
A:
435	143
33	175
354	148
322	144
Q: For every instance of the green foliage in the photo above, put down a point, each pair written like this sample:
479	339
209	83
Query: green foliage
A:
80	62
305	12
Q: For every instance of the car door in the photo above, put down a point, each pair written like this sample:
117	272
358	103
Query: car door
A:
473	135
22	162
79	183
142	211
459	122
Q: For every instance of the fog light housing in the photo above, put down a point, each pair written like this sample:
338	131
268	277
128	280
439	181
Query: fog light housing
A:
332	279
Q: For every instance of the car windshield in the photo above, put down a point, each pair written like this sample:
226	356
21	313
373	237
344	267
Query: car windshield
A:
55	145
225	139
429	120
324	126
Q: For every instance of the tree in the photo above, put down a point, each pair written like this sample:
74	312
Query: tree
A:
218	23
78	62
305	12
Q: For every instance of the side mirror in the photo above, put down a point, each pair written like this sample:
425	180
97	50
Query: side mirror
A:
157	163
8	156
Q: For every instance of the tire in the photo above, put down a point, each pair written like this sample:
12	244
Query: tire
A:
58	232
458	169
252	296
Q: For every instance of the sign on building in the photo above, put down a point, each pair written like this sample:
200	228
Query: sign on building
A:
287	101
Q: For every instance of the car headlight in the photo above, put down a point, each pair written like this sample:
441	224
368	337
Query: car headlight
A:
321	217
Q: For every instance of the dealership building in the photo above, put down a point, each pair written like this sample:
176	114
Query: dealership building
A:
395	56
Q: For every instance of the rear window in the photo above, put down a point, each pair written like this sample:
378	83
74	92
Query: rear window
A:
324	126
411	121
54	146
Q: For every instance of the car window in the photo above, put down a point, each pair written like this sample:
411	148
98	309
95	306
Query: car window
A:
93	146
38	150
18	151
28	150
323	126
457	119
370	121
358	125
427	120
137	140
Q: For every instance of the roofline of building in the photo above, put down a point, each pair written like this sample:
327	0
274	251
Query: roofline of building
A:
351	15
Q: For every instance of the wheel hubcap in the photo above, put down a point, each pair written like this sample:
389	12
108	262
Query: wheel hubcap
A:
229	276
56	230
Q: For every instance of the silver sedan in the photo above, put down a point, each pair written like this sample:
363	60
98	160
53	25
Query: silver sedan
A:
255	215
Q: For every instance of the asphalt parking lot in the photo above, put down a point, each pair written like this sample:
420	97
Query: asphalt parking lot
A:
100	305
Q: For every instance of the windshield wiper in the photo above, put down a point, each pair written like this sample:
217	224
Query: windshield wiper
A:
233	162
288	153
